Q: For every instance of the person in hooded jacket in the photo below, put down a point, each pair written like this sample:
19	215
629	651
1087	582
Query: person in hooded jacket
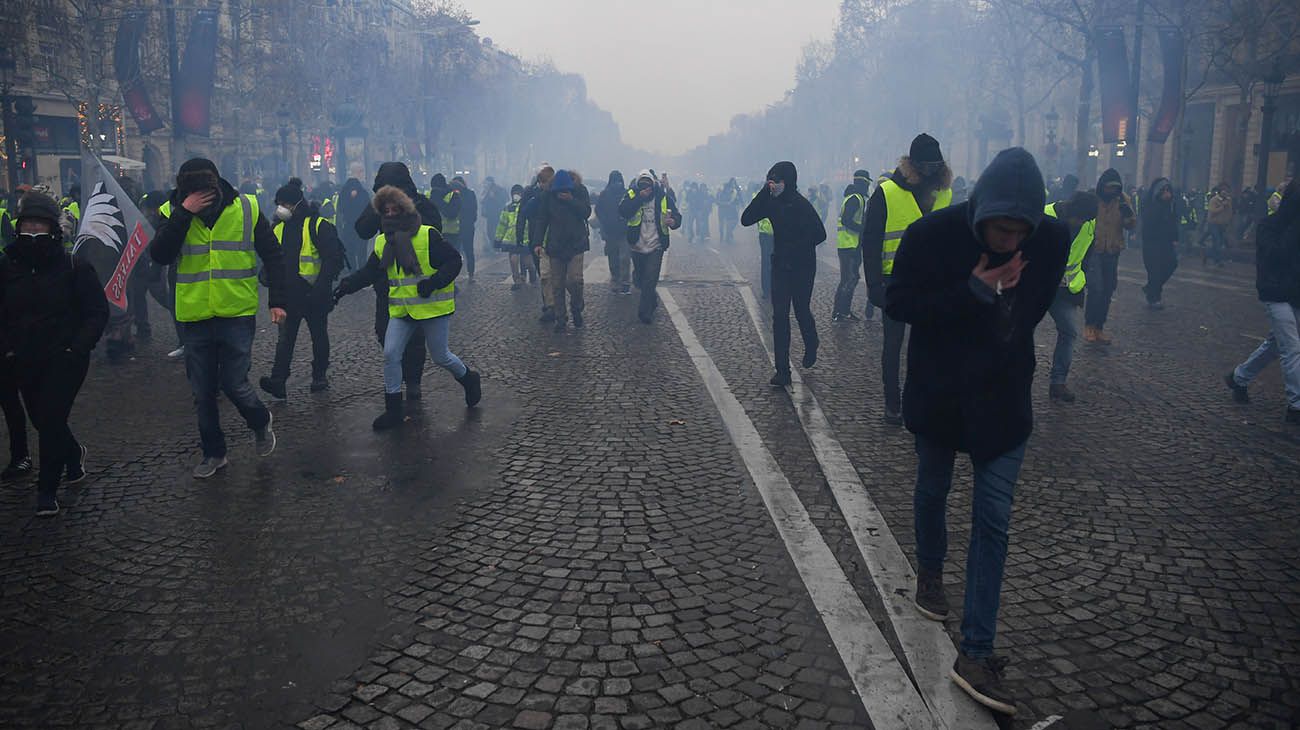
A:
797	230
217	298
1277	279
313	259
729	199
1159	220
849	245
1079	213
354	200
1115	215
612	231
650	214
493	201
52	313
921	183
419	268
468	223
562	236
527	228
367	226
973	281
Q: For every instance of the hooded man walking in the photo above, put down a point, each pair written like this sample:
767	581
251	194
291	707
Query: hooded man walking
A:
613	231
1159	219
650	214
215	237
974	281
563	236
848	241
1115	215
921	183
797	230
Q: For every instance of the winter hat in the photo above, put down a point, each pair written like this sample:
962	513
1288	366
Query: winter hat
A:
861	175
516	189
925	149
39	206
289	194
198	164
438	180
647	175
563	181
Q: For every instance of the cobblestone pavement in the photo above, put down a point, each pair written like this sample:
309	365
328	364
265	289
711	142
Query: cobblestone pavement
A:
588	550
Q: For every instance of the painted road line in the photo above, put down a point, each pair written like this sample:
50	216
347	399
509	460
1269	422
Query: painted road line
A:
926	646
597	269
1173	284
887	694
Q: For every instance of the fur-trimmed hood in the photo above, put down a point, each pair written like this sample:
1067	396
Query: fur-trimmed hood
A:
912	176
408	221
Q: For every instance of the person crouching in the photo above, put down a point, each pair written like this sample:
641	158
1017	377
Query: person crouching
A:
421	268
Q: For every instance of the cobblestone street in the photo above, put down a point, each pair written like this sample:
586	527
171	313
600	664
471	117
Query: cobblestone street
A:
635	530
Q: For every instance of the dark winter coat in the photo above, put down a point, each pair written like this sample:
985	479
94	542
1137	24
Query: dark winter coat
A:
1159	219
50	304
970	360
468	210
628	206
1277	258
396	174
562	224
302	293
354	201
612	223
797	229
849	214
495	199
872	243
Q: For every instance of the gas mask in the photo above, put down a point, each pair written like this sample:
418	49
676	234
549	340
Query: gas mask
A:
283	212
516	197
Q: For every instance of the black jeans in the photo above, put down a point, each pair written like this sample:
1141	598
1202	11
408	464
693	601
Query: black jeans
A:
464	242
765	244
15	414
1160	260
218	354
792	288
317	318
49	396
850	264
891	355
646	268
1103	278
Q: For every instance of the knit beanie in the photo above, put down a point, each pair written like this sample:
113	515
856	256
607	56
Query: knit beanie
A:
925	149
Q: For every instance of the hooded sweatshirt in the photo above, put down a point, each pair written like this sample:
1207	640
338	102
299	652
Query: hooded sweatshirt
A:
970	361
1159	217
397	175
1114	216
562	224
797	229
611	224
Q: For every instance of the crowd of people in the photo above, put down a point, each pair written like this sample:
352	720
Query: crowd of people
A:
970	270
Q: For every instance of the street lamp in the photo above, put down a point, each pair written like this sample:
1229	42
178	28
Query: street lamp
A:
1272	84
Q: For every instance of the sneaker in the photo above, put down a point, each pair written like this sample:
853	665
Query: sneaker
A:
273	387
893	418
47	505
1156	306
852	317
810	357
1058	392
265	437
1239	392
177	354
781	379
837	317
320	385
982	680
209	466
76	471
17	469
931	601
627	289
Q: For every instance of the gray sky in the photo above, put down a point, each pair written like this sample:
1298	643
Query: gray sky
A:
712	59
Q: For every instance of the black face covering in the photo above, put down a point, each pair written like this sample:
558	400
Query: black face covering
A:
36	247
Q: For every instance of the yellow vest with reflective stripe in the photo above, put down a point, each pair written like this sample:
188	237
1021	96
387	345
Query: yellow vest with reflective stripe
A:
847	238
450	225
1074	279
902	211
635	220
308	256
404	298
506	224
216	274
765	225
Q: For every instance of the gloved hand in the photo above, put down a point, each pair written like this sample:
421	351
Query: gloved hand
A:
337	295
425	287
876	295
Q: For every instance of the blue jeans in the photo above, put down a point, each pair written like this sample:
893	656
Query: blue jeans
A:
400	330
995	483
1283	343
1065	313
217	357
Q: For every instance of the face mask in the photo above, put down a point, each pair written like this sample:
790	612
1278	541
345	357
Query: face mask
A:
516	197
35	241
778	189
283	213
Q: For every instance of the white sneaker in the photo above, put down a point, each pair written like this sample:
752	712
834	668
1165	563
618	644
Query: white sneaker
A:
265	438
177	354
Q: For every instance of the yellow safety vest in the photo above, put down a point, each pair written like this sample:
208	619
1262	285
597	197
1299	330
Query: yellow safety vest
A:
506	224
450	225
1074	279
901	211
404	298
308	255
635	220
847	238
765	225
216	275
1274	201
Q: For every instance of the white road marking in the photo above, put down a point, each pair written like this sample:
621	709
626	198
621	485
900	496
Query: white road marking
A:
926	646
1173	284
1046	722
888	695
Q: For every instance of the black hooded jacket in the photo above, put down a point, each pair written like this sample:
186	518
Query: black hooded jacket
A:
438	189
970	360
797	229
850	211
396	174
354	201
165	248
1277	258
611	223
50	303
300	291
1159	219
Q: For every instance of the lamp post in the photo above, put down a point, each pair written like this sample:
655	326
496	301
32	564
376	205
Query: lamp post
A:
283	117
7	68
1051	121
1272	83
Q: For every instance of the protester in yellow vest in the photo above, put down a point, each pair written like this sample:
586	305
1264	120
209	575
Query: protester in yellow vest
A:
1080	215
313	259
420	267
922	183
853	212
215	236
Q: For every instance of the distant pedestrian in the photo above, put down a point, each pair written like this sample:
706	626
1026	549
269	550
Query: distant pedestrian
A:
973	281
215	238
522	267
562	238
1079	213
528	226
492	202
419	268
729	199
613	231
1277	279
853	211
1218	219
650	214
1115	215
354	200
468	224
797	230
1160	232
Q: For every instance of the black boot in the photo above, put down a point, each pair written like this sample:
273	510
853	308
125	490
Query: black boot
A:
472	384
274	387
392	416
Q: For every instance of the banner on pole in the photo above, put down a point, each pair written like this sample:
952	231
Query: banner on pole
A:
113	233
1171	96
126	62
193	92
1116	87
